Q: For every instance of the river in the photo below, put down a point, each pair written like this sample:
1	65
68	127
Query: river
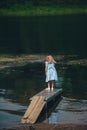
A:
57	35
18	84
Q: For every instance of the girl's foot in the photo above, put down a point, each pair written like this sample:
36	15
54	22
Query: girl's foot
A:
52	89
48	89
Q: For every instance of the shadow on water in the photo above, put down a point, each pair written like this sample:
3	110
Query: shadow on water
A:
18	84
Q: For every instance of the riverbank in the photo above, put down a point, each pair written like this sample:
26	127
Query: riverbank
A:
42	10
21	60
51	127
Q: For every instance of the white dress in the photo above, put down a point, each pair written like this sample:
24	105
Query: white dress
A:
51	73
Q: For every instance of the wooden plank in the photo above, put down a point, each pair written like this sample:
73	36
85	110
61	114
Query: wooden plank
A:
36	111
53	94
30	108
44	92
37	104
48	94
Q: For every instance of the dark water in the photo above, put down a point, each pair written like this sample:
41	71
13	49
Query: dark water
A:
18	84
63	34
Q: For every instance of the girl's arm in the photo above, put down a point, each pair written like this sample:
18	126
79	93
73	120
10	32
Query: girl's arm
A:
46	67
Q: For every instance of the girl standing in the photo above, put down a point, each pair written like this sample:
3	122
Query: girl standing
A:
50	70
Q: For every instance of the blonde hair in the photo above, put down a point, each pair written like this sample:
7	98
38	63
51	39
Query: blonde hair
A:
50	59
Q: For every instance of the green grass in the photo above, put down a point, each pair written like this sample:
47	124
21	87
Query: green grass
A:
42	11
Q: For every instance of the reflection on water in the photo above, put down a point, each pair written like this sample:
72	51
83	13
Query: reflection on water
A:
18	84
70	111
53	118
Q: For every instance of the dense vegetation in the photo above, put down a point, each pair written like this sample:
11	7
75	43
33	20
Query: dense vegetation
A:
10	3
42	7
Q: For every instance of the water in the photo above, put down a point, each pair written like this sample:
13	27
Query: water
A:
72	111
63	34
10	113
18	84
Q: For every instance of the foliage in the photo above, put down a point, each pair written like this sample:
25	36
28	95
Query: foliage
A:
42	11
10	3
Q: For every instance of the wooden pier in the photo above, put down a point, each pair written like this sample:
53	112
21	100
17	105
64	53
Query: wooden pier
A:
37	104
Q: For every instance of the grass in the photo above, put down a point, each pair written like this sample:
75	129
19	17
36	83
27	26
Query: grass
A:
42	11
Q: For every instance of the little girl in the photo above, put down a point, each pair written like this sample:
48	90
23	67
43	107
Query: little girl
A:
51	73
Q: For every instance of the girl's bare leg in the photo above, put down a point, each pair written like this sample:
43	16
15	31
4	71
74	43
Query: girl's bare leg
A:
52	84
48	85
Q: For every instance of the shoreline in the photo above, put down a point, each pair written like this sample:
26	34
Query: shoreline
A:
42	126
17	61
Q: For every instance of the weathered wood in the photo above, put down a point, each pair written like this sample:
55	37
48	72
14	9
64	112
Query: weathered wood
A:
48	94
53	94
31	106
37	104
34	109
